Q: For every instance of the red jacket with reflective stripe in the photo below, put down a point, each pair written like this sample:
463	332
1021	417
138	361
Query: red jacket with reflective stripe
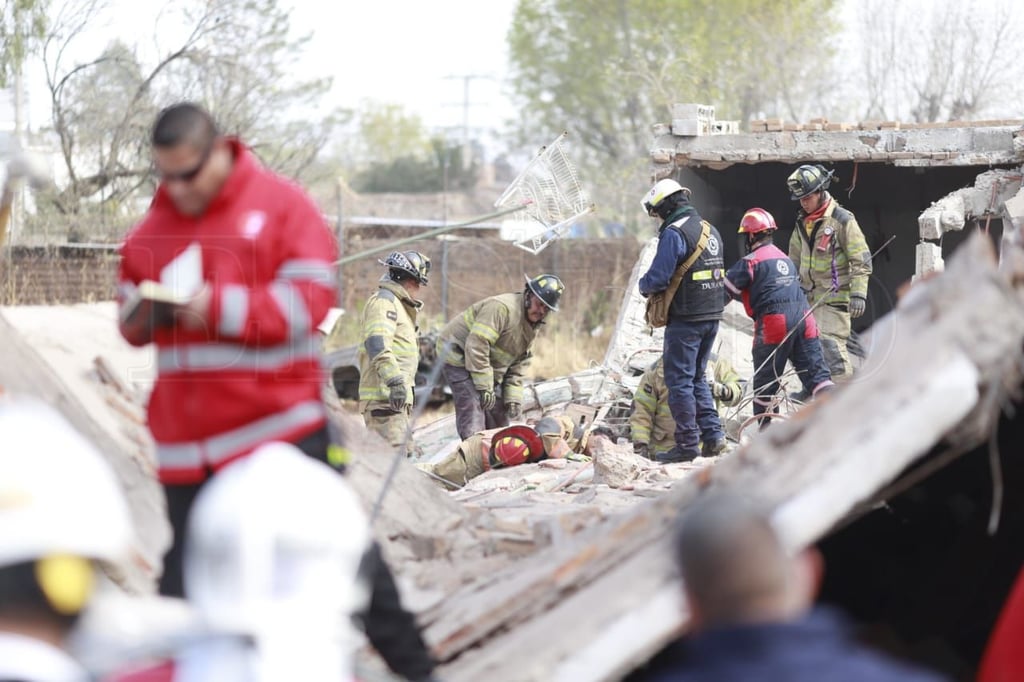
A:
254	375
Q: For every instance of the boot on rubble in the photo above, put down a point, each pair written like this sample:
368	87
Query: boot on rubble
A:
677	454
713	448
801	396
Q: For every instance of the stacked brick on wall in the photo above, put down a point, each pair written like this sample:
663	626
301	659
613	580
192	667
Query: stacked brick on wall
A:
52	275
595	272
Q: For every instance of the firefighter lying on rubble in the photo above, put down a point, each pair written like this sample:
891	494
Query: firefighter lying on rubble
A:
549	438
651	423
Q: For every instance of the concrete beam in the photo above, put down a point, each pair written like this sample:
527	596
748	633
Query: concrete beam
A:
963	145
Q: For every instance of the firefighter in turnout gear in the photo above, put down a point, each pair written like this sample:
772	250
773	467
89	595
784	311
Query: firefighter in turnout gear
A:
503	447
833	262
389	352
486	350
651	423
684	239
784	329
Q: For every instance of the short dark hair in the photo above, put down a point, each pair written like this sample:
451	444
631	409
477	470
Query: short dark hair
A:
729	554
184	122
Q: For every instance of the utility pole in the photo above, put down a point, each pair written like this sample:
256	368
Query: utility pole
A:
466	79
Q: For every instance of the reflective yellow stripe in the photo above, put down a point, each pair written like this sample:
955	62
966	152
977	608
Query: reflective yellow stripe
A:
489	334
641	434
714	273
645	399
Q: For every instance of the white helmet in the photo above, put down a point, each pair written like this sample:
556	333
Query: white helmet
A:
58	495
662	190
273	549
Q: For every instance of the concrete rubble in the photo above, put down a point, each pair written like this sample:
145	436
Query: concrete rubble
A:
578	545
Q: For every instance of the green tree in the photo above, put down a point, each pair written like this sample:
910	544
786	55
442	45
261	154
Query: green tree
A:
387	132
442	169
23	26
608	70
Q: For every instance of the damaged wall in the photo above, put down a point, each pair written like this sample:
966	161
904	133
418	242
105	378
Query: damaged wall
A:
887	201
925	565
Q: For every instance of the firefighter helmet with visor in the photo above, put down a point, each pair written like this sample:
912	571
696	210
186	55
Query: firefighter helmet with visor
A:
410	264
808	179
548	288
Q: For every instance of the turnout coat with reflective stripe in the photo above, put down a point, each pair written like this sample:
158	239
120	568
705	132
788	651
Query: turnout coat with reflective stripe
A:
390	346
493	340
254	374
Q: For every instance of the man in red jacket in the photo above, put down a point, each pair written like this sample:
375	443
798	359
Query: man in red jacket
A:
238	358
238	361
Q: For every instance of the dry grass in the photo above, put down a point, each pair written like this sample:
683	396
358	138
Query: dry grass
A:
561	350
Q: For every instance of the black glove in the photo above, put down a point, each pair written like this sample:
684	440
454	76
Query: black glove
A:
721	392
513	410
858	304
642	449
487	400
398	397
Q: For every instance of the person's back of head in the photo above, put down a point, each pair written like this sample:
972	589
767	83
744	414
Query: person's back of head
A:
61	510
734	566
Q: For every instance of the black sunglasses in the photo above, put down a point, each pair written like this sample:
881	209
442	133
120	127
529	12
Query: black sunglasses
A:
186	175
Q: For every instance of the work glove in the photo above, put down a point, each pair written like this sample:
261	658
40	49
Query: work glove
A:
721	392
642	449
487	400
398	397
513	410
857	306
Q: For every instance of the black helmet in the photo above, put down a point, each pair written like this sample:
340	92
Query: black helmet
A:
807	180
548	288
411	264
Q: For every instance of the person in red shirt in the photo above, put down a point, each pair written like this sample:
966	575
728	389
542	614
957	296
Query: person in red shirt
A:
238	358
238	362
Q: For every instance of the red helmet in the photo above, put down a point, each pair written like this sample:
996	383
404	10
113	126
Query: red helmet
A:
515	445
757	220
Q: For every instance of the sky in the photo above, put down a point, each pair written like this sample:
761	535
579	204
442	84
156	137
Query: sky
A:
410	52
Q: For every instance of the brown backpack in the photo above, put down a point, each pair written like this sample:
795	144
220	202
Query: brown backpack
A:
658	304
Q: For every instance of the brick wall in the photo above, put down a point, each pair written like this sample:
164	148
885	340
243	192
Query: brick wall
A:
57	274
595	272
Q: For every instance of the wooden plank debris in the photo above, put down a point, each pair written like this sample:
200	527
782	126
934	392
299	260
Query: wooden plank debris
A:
593	583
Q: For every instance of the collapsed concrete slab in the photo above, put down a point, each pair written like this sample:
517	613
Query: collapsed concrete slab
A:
956	143
612	586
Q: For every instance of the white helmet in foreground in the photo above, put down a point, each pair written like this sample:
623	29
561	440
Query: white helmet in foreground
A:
273	550
58	495
61	508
